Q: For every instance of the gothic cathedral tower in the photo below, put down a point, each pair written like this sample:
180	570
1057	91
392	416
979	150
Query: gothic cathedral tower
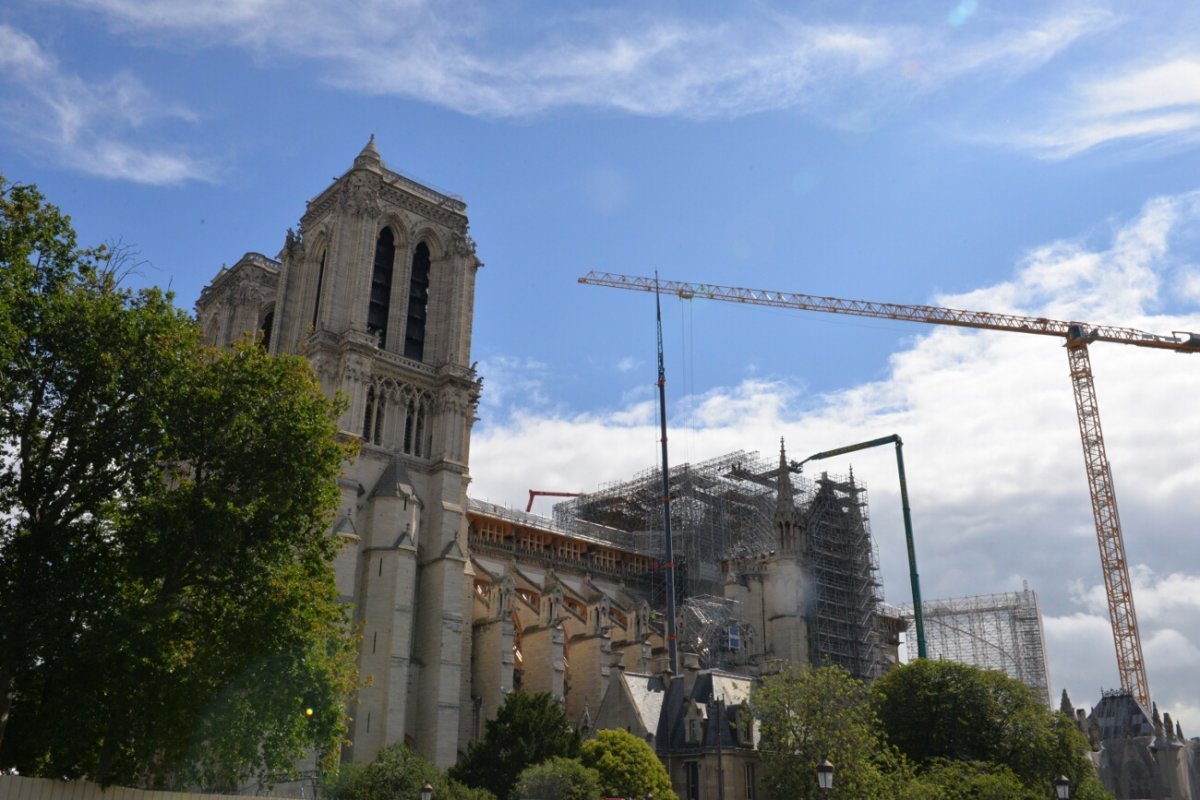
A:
377	291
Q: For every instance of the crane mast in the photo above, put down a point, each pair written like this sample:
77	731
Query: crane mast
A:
1130	662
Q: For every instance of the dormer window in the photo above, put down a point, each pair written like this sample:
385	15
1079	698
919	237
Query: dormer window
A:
693	731
745	727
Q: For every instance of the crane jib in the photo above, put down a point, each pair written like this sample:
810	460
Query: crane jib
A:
1072	331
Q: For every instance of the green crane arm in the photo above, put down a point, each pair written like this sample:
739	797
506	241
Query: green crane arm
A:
914	578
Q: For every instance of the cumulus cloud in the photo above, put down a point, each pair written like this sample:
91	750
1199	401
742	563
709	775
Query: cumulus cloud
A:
992	449
93	127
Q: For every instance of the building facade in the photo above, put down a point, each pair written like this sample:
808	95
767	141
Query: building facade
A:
459	602
376	289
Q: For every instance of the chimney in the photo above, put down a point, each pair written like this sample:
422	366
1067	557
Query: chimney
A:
691	668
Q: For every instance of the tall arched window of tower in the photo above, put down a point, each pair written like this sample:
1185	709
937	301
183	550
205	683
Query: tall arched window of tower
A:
418	304
373	417
317	294
268	322
381	285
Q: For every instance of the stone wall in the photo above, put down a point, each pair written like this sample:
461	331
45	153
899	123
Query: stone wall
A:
14	787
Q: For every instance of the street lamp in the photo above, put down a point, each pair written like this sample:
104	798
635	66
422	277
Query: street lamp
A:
427	791
825	775
1062	787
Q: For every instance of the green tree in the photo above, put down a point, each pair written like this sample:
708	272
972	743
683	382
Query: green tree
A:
968	780
628	767
809	714
167	605
397	773
558	779
528	729
938	711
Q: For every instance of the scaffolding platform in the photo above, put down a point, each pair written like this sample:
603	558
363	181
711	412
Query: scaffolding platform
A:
994	631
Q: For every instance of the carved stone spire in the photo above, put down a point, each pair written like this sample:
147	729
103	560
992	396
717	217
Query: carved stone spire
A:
1065	706
369	156
786	496
787	520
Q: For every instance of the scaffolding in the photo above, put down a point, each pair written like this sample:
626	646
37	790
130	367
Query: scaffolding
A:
995	631
846	630
715	514
708	626
724	510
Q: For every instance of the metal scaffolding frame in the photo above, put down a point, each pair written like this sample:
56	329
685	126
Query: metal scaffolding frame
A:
723	509
845	629
715	514
995	631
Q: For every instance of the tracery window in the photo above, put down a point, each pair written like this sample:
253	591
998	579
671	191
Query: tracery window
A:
268	322
381	285
373	417
317	296
418	304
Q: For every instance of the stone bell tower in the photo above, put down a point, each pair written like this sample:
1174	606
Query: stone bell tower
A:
377	291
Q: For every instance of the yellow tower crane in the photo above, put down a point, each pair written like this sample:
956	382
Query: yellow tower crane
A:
1077	336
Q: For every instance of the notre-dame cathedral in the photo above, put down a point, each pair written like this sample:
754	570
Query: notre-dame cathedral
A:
460	602
377	291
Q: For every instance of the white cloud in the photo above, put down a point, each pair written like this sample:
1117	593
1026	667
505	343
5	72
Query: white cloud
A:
512	382
91	127
1023	48
992	450
1156	103
628	364
1167	648
1189	285
636	59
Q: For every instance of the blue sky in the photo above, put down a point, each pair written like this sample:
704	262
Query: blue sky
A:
1034	157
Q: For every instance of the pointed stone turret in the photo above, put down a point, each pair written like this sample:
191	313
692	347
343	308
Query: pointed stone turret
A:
788	523
1065	706
1179	732
786	496
369	157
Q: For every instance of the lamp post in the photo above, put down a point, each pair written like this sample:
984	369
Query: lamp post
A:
825	776
1062	787
427	791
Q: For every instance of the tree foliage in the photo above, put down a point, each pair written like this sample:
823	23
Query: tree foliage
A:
628	766
558	779
967	780
938	711
528	729
167	604
810	714
397	773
